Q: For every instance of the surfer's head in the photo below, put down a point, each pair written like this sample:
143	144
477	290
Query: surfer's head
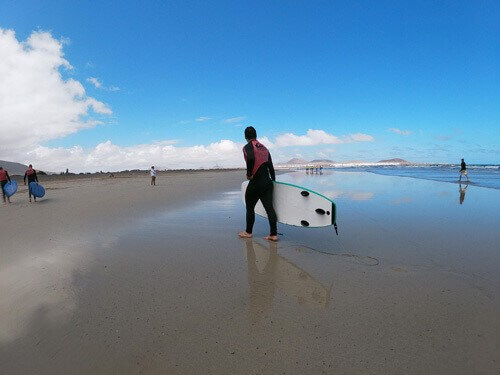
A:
250	133
30	166
152	167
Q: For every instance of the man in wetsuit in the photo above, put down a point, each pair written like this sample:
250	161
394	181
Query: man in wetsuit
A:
463	171
4	178
32	177
260	172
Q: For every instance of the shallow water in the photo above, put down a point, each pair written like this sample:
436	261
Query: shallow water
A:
479	175
410	282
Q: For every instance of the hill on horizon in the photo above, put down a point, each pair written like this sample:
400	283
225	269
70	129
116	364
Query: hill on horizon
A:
13	168
297	161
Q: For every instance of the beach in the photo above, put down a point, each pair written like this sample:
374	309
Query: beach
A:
112	275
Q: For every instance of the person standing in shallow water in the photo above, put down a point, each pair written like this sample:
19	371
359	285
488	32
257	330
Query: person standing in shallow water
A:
463	171
4	178
260	173
153	176
32	177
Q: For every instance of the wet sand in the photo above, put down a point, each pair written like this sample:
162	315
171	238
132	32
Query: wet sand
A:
114	276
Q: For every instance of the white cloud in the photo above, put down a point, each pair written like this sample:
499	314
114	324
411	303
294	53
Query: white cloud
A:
234	120
36	102
312	137
399	131
110	157
203	119
317	137
98	84
95	82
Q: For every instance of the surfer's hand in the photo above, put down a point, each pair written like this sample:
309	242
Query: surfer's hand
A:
249	177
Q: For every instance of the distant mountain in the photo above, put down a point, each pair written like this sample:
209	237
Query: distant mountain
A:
13	168
296	161
322	161
397	160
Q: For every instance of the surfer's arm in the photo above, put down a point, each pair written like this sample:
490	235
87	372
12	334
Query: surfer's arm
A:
7	174
25	173
271	168
36	177
250	158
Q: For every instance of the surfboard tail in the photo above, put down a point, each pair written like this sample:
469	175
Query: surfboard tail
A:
334	218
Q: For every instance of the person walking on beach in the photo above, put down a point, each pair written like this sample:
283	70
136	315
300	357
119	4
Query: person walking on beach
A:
260	173
4	178
153	175
463	171
32	177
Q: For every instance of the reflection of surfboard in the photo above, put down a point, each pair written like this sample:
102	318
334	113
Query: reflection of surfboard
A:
10	188
299	206
37	190
291	280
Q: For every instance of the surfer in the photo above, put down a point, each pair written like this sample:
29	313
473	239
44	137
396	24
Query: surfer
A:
463	171
153	175
260	173
4	178
32	177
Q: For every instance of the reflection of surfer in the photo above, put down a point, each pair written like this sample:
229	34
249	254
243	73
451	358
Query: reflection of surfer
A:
262	284
268	271
152	172
260	172
463	171
462	192
4	178
32	177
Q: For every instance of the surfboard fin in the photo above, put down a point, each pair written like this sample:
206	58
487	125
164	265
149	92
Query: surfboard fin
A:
304	193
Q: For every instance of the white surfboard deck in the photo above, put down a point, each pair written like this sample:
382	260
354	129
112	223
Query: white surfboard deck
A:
298	206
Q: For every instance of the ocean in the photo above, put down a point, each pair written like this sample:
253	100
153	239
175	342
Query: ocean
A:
479	175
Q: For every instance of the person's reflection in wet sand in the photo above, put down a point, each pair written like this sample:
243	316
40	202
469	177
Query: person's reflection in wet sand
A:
262	284
462	192
268	271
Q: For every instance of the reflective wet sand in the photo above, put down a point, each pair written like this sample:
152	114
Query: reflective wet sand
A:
105	277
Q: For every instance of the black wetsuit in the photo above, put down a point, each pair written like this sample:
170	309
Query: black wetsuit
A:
260	187
31	178
463	166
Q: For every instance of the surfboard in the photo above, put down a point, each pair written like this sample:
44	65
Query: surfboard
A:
10	188
298	206
37	190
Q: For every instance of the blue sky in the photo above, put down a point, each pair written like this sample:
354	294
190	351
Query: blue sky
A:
426	67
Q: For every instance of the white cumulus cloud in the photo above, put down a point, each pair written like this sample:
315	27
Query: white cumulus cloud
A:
36	102
399	131
317	137
202	119
107	156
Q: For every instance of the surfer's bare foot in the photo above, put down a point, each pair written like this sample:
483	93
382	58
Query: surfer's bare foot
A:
245	234
271	238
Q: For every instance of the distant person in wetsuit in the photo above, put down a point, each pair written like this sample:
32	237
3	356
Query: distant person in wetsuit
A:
153	175
4	178
32	177
260	173
463	171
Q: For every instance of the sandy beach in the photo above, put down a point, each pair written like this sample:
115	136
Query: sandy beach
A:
111	275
